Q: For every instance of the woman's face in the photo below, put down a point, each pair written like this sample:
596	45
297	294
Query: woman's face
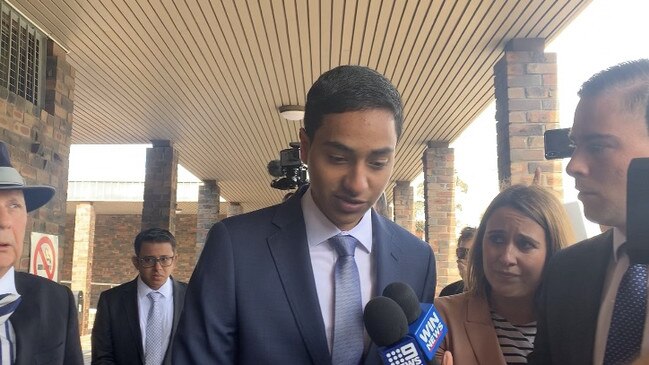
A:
514	250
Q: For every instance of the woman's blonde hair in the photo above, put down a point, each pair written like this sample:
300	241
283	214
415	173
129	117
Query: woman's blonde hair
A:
534	202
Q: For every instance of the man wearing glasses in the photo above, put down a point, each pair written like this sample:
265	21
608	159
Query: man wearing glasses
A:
136	321
464	243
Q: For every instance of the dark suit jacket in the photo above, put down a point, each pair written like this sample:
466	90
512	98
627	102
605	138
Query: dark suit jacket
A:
570	302
45	322
452	289
116	336
252	298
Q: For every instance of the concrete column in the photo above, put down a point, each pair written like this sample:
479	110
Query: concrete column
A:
439	206
84	238
403	199
208	211
526	106
234	208
159	207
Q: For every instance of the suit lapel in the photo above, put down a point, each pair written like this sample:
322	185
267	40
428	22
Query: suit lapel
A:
481	333
129	302
386	254
22	320
290	253
179	298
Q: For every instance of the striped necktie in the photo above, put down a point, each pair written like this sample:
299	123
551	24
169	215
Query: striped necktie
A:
348	307
8	304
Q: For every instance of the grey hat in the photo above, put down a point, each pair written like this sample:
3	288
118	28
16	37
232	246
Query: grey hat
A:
35	195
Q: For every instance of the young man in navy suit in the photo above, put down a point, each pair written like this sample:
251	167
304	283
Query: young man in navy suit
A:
582	282
121	333
42	325
263	291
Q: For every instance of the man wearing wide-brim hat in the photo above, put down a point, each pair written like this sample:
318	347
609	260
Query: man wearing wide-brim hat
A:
38	317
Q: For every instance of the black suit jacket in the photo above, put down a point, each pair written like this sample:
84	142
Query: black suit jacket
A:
252	298
116	336
45	323
570	302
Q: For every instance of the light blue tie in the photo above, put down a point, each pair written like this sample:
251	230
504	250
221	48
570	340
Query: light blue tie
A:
629	312
154	353
348	310
8	304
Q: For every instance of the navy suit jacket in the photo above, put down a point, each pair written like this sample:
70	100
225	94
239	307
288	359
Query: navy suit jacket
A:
116	336
252	298
570	301
45	323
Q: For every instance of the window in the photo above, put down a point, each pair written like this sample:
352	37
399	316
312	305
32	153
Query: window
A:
21	55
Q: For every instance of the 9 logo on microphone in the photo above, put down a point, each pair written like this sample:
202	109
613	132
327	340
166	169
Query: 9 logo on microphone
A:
404	355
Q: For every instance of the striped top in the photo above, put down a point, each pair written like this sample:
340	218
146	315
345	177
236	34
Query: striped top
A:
516	342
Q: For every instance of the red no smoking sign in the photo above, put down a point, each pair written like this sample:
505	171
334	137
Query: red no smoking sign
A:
44	258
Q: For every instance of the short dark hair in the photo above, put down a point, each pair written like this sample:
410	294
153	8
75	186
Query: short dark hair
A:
466	234
350	88
153	235
631	78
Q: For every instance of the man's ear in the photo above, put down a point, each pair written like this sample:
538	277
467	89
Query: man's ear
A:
135	262
305	145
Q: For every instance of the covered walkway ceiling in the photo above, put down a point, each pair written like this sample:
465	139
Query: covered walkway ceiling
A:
210	75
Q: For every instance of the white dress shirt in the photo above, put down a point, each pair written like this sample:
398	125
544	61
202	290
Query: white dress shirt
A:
8	335
323	258
144	303
618	264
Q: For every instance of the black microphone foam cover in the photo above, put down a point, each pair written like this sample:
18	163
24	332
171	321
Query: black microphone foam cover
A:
384	321
403	294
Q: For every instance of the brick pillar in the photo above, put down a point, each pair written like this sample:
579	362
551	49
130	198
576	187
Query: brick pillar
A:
403	196
439	206
208	211
234	208
159	207
84	237
526	106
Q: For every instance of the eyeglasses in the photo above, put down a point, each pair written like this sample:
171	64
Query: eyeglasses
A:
462	252
151	261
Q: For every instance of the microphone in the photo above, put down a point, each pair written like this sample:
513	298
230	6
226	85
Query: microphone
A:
637	208
387	326
425	324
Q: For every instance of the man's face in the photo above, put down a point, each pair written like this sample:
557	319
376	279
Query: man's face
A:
155	276
462	253
350	160
13	221
607	137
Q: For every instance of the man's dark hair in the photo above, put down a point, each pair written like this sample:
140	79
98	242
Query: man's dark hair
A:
154	235
632	78
350	88
466	234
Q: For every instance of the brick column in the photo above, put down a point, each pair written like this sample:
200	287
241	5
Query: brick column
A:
208	212
526	106
84	237
403	196
439	206
234	208
160	183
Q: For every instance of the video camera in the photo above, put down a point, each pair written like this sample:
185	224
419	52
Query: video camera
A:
289	170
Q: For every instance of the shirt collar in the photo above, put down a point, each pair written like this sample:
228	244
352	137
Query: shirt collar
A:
319	228
143	290
8	282
618	239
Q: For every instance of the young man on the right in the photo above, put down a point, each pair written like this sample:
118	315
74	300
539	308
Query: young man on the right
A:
594	300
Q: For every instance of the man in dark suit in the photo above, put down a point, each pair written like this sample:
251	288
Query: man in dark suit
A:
39	317
264	290
136	321
578	324
464	244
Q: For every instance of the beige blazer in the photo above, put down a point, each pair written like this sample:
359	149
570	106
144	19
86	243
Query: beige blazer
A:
471	337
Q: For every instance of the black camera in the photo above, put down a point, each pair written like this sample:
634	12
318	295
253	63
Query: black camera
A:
289	170
557	143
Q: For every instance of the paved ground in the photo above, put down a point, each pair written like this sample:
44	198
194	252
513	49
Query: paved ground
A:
85	346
